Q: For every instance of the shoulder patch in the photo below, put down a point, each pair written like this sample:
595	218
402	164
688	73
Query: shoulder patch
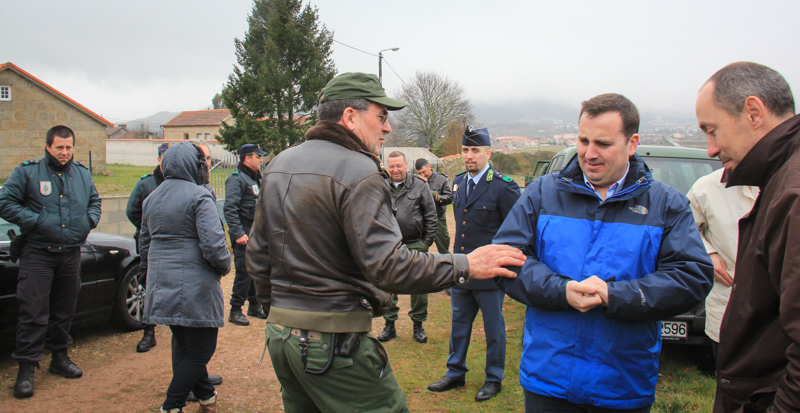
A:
507	179
80	164
460	173
145	176
31	162
235	173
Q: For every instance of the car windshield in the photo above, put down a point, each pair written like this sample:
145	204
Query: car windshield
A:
4	227
680	173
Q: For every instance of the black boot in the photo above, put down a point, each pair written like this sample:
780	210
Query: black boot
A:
388	332
23	388
419	333
255	310
236	317
148	339
61	364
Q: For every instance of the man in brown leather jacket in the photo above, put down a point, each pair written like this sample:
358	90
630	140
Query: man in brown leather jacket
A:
326	252
747	113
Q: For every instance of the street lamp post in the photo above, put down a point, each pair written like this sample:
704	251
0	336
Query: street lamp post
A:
380	61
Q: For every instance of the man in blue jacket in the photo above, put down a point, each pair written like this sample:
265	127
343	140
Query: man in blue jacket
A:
55	204
482	197
610	253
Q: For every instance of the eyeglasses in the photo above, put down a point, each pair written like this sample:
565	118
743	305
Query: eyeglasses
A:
383	116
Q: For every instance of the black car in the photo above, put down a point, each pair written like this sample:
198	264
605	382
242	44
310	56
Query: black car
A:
110	289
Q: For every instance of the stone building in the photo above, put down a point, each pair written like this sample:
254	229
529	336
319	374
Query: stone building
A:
197	124
29	107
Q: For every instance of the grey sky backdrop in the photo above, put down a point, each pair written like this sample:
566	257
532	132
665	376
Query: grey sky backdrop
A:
128	60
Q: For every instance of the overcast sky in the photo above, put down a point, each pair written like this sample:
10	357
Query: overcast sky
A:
131	59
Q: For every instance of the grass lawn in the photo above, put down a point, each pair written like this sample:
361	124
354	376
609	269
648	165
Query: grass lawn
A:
121	180
681	387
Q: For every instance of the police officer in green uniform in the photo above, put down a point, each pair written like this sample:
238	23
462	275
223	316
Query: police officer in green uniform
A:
241	194
442	196
415	212
147	184
55	204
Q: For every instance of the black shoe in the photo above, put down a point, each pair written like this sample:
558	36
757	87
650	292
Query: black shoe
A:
256	311
419	333
236	317
388	332
489	390
148	340
214	380
61	364
23	388
191	398
447	383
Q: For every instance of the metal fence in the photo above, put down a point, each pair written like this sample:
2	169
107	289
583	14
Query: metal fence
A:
221	169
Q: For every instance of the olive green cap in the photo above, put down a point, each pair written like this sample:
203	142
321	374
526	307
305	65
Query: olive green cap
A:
358	86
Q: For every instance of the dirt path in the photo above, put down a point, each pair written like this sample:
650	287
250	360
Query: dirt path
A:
117	379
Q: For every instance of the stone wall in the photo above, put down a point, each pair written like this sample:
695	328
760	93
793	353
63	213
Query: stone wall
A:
451	166
33	110
113	220
144	152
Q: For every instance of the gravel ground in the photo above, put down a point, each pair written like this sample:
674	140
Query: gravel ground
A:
117	379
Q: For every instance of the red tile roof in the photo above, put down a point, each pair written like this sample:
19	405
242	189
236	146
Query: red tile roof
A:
9	65
212	117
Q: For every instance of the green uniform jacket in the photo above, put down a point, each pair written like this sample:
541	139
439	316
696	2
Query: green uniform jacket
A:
56	209
147	184
241	194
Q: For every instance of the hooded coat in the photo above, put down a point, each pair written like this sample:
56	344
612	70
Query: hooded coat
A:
183	244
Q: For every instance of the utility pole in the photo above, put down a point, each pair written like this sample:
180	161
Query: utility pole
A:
380	62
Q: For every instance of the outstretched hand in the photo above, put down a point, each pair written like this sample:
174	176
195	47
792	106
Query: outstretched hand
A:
488	262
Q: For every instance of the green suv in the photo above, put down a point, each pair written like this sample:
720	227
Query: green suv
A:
677	167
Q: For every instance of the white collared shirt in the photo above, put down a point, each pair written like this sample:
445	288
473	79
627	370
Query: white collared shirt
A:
613	188
717	211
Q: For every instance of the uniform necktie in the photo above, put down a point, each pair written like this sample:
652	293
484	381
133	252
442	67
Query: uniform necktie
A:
470	188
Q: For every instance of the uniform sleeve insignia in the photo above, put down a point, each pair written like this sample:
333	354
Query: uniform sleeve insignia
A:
235	173
31	162
489	175
455	187
255	189
507	179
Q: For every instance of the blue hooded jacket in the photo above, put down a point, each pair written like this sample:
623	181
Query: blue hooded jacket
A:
643	241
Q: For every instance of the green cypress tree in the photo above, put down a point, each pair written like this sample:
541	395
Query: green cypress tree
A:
283	63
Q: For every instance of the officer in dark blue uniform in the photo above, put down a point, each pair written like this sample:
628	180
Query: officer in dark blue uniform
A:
55	204
241	194
482	197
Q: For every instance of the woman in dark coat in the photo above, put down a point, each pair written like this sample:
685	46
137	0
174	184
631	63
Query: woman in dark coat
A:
183	243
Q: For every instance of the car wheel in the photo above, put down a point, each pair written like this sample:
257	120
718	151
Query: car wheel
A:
129	302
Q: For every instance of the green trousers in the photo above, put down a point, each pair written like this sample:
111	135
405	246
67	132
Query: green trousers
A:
419	302
442	239
363	383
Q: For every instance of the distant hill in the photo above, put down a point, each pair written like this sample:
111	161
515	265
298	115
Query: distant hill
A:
153	122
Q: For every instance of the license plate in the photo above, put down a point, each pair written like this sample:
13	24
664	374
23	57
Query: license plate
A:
674	330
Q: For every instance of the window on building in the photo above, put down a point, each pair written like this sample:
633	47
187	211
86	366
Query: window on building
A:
5	92
186	136
199	136
208	136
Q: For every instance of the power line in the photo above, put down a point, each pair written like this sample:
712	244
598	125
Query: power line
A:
395	73
343	44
